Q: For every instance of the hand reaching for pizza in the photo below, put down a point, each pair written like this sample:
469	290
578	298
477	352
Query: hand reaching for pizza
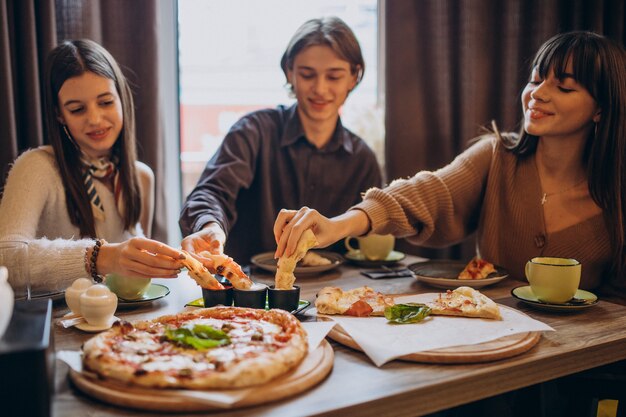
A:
210	239
207	246
139	257
291	224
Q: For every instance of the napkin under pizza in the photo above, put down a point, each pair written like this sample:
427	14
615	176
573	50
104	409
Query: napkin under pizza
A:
383	342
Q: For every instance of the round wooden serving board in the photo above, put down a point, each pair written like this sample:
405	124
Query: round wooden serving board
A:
315	367
501	348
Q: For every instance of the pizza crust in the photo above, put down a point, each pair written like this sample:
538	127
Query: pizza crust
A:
130	352
285	278
226	266
200	274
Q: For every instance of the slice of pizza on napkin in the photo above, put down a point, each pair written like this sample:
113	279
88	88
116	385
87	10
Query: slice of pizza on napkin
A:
359	302
465	302
364	301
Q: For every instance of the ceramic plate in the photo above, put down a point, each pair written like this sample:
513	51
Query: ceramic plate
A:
86	327
444	273
582	299
358	258
266	261
302	304
155	291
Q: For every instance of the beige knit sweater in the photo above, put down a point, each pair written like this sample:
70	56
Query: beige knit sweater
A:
33	209
489	190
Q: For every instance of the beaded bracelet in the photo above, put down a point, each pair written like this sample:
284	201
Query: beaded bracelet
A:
92	263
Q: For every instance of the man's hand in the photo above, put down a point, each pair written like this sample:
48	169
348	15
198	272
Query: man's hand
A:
211	238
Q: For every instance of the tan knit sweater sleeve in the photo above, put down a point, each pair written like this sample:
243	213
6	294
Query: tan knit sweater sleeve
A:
434	208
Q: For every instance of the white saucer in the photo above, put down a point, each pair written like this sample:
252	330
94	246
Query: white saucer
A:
86	327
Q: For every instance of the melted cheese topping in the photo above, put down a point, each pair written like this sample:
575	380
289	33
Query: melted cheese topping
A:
144	350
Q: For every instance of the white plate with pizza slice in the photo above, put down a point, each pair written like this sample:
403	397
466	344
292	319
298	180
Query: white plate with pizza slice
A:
267	262
444	274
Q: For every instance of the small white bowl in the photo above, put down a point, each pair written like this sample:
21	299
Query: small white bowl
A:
73	293
98	304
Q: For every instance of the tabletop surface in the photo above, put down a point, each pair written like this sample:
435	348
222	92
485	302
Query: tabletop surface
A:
583	339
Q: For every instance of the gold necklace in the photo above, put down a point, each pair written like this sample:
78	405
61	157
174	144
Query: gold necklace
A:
544	197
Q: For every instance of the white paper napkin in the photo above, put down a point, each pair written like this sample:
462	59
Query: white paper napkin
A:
382	341
317	331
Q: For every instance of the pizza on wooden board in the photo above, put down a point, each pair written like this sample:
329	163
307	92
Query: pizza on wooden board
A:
219	347
364	301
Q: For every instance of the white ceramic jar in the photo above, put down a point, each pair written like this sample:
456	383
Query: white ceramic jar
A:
98	305
6	300
73	293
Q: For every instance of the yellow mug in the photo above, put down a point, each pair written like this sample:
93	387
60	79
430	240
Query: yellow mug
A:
373	247
553	280
126	287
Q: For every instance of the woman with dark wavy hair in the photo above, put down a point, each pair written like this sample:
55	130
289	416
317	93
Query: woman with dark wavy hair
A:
84	203
555	189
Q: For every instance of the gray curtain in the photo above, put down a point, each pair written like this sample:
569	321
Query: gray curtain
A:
454	65
128	29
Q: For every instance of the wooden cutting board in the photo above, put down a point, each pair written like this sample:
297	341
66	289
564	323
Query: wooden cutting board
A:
315	367
504	347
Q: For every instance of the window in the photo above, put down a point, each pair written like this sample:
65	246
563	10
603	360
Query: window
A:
229	60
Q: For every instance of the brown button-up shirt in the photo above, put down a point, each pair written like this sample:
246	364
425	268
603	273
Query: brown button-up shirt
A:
264	164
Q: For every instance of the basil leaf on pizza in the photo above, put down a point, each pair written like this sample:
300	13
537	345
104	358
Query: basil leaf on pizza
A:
198	337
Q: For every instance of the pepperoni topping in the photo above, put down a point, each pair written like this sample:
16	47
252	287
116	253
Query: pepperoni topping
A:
359	309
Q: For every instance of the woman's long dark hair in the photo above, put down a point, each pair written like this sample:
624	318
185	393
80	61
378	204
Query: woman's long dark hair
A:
71	59
599	64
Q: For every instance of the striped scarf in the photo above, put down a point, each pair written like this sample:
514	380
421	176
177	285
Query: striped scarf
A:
103	169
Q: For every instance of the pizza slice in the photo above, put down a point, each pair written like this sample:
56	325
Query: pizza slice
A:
465	302
477	268
313	259
285	278
200	274
360	302
226	266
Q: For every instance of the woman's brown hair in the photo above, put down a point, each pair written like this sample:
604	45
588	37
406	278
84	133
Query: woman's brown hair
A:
71	59
599	64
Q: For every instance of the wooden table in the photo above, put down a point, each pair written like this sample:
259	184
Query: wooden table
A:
582	340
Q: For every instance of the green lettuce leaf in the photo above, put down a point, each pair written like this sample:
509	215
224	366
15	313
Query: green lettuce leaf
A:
407	313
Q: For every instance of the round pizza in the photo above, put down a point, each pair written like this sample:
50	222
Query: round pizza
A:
219	347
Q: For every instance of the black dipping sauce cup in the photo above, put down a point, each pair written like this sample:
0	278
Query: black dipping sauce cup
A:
218	297
250	298
288	300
